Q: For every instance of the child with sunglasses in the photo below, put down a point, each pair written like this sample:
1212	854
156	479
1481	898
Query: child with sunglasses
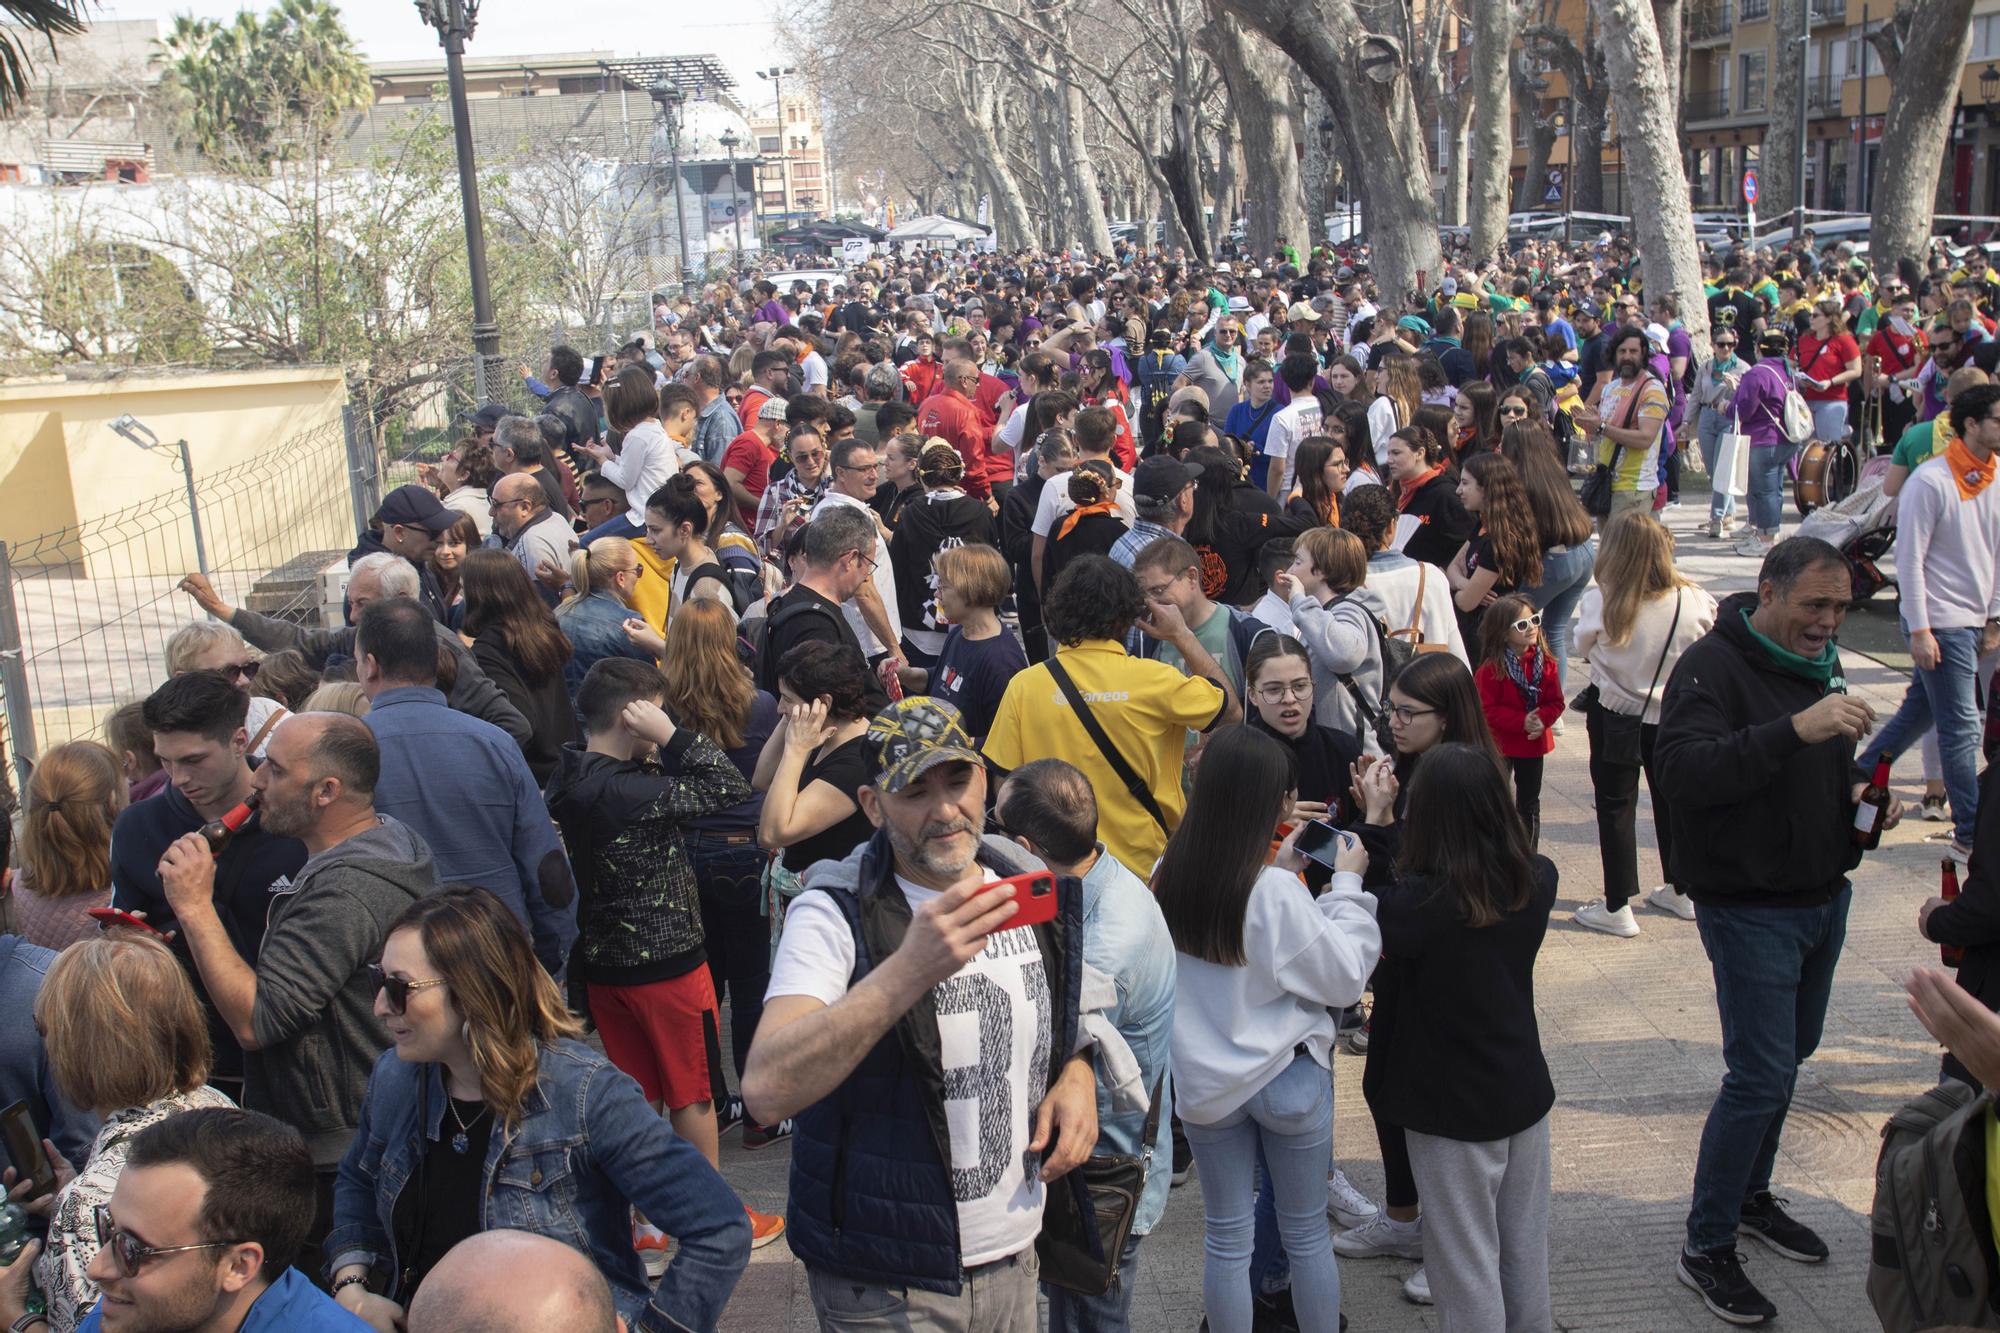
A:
1521	696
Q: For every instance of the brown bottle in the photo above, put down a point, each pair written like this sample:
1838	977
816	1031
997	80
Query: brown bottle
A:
1873	809
218	832
1951	954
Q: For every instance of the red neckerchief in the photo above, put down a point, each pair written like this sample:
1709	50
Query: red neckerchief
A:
1410	488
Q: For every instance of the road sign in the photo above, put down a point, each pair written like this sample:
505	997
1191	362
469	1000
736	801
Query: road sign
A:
1554	194
1749	187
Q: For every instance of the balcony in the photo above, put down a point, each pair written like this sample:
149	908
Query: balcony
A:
1754	11
1823	95
1822	12
1713	104
1711	23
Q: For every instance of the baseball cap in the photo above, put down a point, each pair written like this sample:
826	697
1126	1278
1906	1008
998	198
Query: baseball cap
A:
772	410
1449	287
1302	311
415	507
1162	477
913	736
486	416
1656	334
1590	309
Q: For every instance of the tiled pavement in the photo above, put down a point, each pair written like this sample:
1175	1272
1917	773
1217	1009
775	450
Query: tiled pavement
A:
1630	1032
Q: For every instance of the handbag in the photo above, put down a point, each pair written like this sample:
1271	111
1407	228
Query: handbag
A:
1614	737
1135	786
1082	1255
1732	460
1596	493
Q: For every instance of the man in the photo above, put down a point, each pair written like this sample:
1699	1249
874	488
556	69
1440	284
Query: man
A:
746	462
460	785
878	387
24	1062
530	531
932	1059
1293	423
197	723
1590	340
1948	547
1627	423
829	569
716	423
1752	765
1096	434
304	1012
1049	809
769	373
1444	344
372	578
514	1282
1163	500
876	621
578	413
520	449
1144	708
207	1212
680	409
951	415
789	499
1218	367
408	523
1169	574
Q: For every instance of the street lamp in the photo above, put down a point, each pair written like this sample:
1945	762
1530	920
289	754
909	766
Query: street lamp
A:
1989	85
139	433
777	74
670	100
729	142
454	20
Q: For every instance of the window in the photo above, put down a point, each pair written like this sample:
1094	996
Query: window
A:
1752	64
1857	43
767	143
10	172
585	83
1756	11
805	171
1985	38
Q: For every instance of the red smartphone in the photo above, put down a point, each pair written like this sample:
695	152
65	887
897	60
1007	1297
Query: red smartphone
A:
1034	899
114	916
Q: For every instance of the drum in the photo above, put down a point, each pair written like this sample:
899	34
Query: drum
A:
1827	474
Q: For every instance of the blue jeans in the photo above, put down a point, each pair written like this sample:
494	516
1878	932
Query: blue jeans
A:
616	526
1565	578
1829	420
1767	485
1292	1118
1773	973
1073	1312
1945	696
1714	425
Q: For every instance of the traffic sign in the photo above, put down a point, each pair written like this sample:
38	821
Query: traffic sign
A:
1749	187
1554	194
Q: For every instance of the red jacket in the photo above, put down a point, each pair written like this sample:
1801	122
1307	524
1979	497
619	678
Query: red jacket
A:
1507	714
922	377
954	417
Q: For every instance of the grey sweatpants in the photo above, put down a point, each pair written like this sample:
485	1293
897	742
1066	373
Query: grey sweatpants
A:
999	1297
1486	1229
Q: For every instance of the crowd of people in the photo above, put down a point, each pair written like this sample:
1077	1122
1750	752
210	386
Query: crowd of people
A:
1061	703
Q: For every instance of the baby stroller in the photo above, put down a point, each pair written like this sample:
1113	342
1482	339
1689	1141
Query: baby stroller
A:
1862	527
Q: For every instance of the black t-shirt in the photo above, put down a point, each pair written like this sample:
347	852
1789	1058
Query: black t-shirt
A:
440	1207
825	625
972	674
848	769
1745	310
1094	534
1446	525
929	524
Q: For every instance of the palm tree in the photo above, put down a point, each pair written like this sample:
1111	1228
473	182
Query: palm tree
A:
48	18
249	85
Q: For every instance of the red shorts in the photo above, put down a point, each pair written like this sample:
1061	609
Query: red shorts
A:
663	1034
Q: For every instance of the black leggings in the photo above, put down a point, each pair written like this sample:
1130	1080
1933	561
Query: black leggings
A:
1617	789
1399	1183
1528	796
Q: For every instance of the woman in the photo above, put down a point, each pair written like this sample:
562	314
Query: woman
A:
979	657
464	476
74	796
127	1040
489	1112
1427	494
1278	681
1394	408
1348	422
710	691
1505	554
1516	404
593	617
1322	471
1759	408
735	550
211	645
447	564
1829	360
338	696
1567	536
1097	386
1261	964
1715	382
943	517
1338	631
519	646
645	457
1634	626
1455	1055
1092	528
1476	418
1346	376
817	759
899	465
1478	343
1250	420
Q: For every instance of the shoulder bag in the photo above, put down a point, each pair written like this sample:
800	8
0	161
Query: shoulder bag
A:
1087	1217
1134	784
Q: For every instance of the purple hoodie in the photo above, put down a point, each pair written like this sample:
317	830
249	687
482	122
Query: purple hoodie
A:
1759	403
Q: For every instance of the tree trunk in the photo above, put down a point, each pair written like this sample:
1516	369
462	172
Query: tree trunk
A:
1458	141
1013	225
1228	184
1669	21
1586	156
1919	42
1180	175
1255	72
1094	230
1378	124
1492	32
1637	73
1781	141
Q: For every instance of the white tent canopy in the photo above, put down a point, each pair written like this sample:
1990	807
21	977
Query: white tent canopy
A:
936	227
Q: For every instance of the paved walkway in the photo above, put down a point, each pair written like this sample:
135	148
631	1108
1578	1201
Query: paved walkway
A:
1631	1036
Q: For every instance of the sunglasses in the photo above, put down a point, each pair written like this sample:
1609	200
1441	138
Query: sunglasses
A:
1513	413
397	989
1528	622
130	1254
242	671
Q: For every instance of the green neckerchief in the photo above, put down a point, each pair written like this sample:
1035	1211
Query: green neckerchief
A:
1822	670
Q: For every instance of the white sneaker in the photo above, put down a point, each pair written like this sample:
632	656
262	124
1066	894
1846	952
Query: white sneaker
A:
1346	1204
1723	528
1417	1287
1755	547
1382	1235
1669	899
1597	917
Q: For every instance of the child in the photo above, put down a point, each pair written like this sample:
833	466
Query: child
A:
1522	698
1274	557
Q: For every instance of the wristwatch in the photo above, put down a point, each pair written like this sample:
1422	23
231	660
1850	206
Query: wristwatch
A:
28	1321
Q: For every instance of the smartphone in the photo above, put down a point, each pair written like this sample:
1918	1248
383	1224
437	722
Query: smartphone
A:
1322	842
114	916
24	1150
1034	899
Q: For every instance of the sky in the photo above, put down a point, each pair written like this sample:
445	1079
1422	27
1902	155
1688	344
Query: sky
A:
743	38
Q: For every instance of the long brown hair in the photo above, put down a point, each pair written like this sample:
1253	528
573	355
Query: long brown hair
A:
74	794
1204	878
1635	564
1463	836
466	532
1508	520
708	688
499	598
1479	340
1406	391
1560	520
510	1005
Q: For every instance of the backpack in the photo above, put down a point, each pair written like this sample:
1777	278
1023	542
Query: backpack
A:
1932	1263
1396	647
762	665
1158	387
1796	420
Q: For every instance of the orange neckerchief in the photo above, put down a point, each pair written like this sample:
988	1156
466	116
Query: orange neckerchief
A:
1465	437
1101	507
1969	474
1410	488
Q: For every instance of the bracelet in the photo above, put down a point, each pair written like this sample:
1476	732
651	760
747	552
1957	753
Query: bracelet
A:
348	1281
28	1321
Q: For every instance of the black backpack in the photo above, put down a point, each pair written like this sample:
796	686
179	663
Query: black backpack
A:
763	666
1931	1263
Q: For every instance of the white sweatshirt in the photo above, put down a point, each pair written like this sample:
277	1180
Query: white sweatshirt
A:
1235	1027
644	461
1947	551
1622	673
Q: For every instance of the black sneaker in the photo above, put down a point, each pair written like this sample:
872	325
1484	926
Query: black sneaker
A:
757	1136
1183	1163
1717	1276
728	1115
1764	1219
1273	1313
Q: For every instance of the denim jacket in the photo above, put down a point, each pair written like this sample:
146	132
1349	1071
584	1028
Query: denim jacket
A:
585	1149
595	627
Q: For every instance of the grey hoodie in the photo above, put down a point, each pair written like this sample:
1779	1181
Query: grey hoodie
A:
314	1018
1342	639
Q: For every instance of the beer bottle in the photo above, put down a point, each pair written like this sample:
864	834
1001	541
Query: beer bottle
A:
218	832
1953	955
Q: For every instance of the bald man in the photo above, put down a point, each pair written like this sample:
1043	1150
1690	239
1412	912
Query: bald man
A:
530	531
513	1282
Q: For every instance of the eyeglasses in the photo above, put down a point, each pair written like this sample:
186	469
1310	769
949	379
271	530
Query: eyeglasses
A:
1528	622
859	467
600	500
398	989
131	1254
1278	693
1405	714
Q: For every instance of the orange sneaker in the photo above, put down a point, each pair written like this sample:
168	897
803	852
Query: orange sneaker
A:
764	1228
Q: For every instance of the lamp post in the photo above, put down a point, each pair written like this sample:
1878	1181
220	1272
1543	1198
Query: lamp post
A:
670	100
729	142
777	74
454	20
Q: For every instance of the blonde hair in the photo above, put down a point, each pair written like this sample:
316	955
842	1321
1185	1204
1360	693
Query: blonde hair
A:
74	794
1635	564
337	696
121	1023
709	690
978	571
191	642
596	566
